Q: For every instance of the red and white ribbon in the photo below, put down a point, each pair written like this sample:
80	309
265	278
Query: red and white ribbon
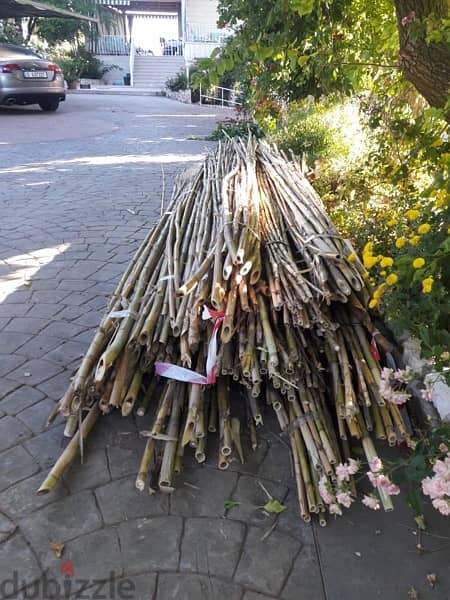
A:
182	374
373	345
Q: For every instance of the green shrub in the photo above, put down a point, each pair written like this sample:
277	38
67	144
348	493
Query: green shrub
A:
179	82
79	62
316	131
230	128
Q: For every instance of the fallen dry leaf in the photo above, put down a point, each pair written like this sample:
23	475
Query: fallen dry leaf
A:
412	594
432	578
57	548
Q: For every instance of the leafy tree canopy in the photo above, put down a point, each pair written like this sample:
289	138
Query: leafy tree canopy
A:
295	48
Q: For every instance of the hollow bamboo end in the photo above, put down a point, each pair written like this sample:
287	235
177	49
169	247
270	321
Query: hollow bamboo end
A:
100	371
140	484
200	457
226	450
47	485
226	334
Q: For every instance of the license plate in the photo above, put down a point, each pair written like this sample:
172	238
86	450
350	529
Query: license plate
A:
35	74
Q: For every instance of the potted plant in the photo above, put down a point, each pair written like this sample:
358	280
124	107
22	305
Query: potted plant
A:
71	69
72	64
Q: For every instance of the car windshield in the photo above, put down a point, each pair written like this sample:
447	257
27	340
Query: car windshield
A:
8	51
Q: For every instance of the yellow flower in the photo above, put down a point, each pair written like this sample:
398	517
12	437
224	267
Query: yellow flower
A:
424	228
400	242
391	222
414	240
383	273
418	263
373	303
386	261
412	214
379	291
351	257
427	285
392	279
369	261
441	198
368	248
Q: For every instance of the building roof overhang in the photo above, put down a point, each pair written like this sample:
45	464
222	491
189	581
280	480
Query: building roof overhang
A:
31	8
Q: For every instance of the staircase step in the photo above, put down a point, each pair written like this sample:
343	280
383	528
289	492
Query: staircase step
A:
152	72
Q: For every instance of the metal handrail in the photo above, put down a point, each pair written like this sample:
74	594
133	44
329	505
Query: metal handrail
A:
111	44
132	57
198	32
230	102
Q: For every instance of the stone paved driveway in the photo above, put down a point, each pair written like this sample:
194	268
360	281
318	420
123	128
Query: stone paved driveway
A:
78	191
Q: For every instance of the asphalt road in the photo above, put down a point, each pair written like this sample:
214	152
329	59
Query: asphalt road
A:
89	116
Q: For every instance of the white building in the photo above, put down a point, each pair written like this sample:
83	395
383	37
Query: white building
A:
154	40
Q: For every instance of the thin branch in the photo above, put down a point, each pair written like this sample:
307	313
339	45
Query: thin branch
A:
357	64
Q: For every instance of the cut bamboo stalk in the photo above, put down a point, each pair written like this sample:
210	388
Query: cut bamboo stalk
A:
70	452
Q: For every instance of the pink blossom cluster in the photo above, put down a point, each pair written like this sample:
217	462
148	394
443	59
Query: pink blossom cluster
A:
407	19
371	501
380	481
391	384
438	486
335	496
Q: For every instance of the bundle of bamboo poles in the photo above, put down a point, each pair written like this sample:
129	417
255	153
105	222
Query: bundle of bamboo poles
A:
247	236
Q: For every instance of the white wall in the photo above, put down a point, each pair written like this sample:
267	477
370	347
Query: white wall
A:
193	50
203	12
123	64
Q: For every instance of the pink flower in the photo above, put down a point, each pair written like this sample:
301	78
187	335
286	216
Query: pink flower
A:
345	499
430	487
398	397
353	466
335	509
407	19
342	473
325	491
392	489
372	478
375	464
442	505
371	502
391	380
383	482
442	467
426	395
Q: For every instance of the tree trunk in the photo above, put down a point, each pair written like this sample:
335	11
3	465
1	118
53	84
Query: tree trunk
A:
30	27
426	66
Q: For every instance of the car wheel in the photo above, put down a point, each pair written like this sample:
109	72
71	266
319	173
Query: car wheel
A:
49	105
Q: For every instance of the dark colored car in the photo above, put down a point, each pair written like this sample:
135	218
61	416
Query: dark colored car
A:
27	78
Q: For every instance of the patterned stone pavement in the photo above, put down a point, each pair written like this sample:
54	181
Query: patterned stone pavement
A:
74	205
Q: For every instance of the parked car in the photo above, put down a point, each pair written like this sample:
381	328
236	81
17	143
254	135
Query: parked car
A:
27	78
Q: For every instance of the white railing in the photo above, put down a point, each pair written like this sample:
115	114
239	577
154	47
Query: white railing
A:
132	56
196	32
111	44
226	97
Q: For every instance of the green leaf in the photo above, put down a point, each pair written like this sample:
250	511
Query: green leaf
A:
274	507
221	67
302	60
414	503
303	7
229	504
